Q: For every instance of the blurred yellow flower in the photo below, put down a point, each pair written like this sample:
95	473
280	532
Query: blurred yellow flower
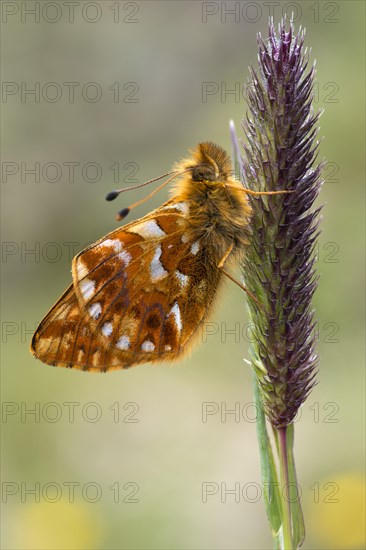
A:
58	525
337	517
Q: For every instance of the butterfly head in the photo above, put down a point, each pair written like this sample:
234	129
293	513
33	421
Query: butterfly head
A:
205	174
210	163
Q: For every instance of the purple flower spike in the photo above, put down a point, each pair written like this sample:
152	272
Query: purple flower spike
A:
279	154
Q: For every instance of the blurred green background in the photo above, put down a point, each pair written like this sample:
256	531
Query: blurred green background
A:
123	460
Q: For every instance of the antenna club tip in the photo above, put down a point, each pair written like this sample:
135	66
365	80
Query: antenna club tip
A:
122	214
111	196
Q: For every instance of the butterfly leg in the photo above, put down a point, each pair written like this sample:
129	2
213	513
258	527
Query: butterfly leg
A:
225	256
221	267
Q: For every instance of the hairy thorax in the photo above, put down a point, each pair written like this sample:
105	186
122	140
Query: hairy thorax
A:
219	214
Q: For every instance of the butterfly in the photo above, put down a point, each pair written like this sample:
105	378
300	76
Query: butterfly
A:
142	293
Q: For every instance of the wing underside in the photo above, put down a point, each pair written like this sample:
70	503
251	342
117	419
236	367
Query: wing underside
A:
138	295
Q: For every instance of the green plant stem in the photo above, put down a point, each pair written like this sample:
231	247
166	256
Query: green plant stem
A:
270	482
285	485
297	518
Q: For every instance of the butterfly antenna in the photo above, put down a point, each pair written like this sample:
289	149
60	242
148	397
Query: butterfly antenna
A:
125	211
114	194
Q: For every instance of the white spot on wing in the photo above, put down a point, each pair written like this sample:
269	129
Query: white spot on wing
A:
125	257
148	346
96	358
168	348
185	238
156	268
107	329
181	206
123	343
95	310
80	356
183	279
81	269
148	230
175	311
195	248
87	288
112	243
117	246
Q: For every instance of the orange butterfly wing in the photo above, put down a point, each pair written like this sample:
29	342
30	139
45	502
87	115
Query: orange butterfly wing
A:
138	296
64	339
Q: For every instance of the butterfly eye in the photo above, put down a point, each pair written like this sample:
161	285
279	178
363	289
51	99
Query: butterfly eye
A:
204	172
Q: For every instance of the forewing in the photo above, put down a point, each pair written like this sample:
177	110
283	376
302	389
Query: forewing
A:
144	288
